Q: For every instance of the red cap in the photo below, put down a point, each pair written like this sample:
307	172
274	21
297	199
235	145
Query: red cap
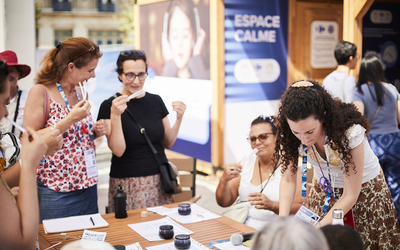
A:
11	60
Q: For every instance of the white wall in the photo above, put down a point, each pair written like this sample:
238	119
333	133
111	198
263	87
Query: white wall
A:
19	33
2	26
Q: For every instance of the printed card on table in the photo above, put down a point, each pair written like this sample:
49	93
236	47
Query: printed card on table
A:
307	215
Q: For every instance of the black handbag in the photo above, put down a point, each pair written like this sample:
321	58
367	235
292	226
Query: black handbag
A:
169	179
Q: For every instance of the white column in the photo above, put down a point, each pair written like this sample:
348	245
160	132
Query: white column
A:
20	34
2	26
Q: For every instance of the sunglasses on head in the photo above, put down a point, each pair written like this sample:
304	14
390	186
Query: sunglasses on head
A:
131	52
89	50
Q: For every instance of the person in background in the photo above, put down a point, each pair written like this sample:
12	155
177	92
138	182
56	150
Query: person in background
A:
380	103
342	238
17	96
67	179
133	165
19	219
289	233
339	83
183	42
256	182
332	135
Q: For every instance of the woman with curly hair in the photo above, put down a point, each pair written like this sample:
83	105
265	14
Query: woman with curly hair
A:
332	136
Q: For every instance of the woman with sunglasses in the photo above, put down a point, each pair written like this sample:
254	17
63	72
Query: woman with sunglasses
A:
257	181
332	136
67	179
133	165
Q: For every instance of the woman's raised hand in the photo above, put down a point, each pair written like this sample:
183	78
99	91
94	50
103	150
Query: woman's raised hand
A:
101	128
231	171
80	111
33	148
54	141
179	107
119	105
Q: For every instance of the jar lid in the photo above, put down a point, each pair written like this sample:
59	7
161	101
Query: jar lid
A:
166	227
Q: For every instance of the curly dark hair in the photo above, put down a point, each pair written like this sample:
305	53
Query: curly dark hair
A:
266	119
299	103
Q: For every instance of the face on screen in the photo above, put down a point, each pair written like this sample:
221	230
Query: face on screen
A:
180	38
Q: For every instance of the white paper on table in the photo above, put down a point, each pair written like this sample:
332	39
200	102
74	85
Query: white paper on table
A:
74	223
228	245
194	245
93	235
135	246
149	229
198	214
159	210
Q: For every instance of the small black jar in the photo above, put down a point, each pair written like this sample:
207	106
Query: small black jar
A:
166	232
184	209
182	241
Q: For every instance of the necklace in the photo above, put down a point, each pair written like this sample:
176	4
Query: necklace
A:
269	177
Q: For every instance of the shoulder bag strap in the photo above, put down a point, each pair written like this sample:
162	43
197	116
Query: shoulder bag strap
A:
46	105
376	113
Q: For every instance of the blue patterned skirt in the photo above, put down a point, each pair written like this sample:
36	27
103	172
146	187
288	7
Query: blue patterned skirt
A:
387	148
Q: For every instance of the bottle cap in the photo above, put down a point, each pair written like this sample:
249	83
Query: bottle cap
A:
337	214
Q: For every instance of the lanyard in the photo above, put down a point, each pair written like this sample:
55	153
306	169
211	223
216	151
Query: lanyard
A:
84	130
323	181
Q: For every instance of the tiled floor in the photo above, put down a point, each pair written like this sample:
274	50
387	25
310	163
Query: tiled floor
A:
204	187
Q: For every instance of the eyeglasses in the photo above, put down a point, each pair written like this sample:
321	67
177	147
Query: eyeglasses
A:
261	137
131	52
131	76
90	49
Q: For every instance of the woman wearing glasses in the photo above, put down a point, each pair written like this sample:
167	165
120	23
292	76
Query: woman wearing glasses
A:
133	165
332	136
67	179
257	181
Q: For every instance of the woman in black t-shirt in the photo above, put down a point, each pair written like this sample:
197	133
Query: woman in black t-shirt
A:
133	165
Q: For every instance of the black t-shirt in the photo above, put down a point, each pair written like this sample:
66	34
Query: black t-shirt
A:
138	159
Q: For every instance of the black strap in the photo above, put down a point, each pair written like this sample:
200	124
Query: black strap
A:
19	93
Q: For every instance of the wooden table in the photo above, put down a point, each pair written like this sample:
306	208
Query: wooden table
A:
119	233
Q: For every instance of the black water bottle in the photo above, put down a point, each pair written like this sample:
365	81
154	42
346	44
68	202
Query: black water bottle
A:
120	203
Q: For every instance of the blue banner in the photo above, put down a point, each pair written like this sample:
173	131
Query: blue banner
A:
255	50
381	37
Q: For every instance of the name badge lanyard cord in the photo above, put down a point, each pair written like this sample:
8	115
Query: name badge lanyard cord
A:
69	109
323	181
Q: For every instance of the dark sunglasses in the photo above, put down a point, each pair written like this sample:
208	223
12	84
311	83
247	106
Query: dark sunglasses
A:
131	52
90	49
260	137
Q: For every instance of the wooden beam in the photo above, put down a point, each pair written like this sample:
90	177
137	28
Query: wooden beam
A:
217	75
353	13
361	8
